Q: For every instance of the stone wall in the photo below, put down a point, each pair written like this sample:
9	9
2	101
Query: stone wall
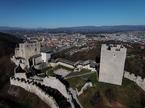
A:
87	85
27	50
56	84
137	79
52	82
73	67
89	68
65	64
30	87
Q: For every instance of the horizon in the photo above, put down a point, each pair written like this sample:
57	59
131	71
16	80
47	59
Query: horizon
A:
65	26
71	13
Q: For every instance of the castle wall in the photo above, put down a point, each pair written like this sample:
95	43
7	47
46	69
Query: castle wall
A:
27	50
89	67
65	64
30	87
137	79
56	84
49	82
87	85
112	64
20	75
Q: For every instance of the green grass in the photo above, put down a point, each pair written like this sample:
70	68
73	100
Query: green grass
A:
92	77
76	82
49	71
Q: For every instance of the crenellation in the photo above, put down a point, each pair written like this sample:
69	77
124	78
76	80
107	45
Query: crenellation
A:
137	79
34	89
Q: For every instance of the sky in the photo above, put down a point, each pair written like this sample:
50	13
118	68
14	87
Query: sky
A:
70	13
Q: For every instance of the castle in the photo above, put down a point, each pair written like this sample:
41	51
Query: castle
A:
28	54
54	90
29	62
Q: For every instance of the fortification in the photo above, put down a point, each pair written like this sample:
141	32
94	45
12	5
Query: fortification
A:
27	49
33	88
112	64
137	79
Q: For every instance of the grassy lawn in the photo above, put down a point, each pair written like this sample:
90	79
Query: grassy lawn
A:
92	77
49	71
78	82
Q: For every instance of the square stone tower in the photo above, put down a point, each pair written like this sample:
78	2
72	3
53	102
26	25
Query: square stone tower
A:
112	64
27	49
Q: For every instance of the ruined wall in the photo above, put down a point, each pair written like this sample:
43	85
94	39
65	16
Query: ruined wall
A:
87	85
30	87
56	84
89	67
137	79
65	64
112	64
52	82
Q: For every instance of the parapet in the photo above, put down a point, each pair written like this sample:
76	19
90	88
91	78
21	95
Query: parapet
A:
113	47
137	79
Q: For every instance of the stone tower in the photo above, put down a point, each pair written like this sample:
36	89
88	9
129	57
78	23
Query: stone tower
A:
27	49
112	64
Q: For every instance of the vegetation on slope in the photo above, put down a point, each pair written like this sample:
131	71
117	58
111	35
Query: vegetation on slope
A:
103	95
17	97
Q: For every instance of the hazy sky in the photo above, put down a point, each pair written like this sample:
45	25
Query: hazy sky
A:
63	13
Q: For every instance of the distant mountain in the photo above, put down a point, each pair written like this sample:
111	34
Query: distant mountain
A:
81	28
101	28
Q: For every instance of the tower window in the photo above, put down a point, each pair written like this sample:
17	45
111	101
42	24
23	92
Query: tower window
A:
109	48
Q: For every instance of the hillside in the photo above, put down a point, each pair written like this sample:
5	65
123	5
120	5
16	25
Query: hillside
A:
11	96
8	43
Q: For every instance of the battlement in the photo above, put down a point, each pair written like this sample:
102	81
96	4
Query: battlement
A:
113	47
137	79
49	87
33	87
